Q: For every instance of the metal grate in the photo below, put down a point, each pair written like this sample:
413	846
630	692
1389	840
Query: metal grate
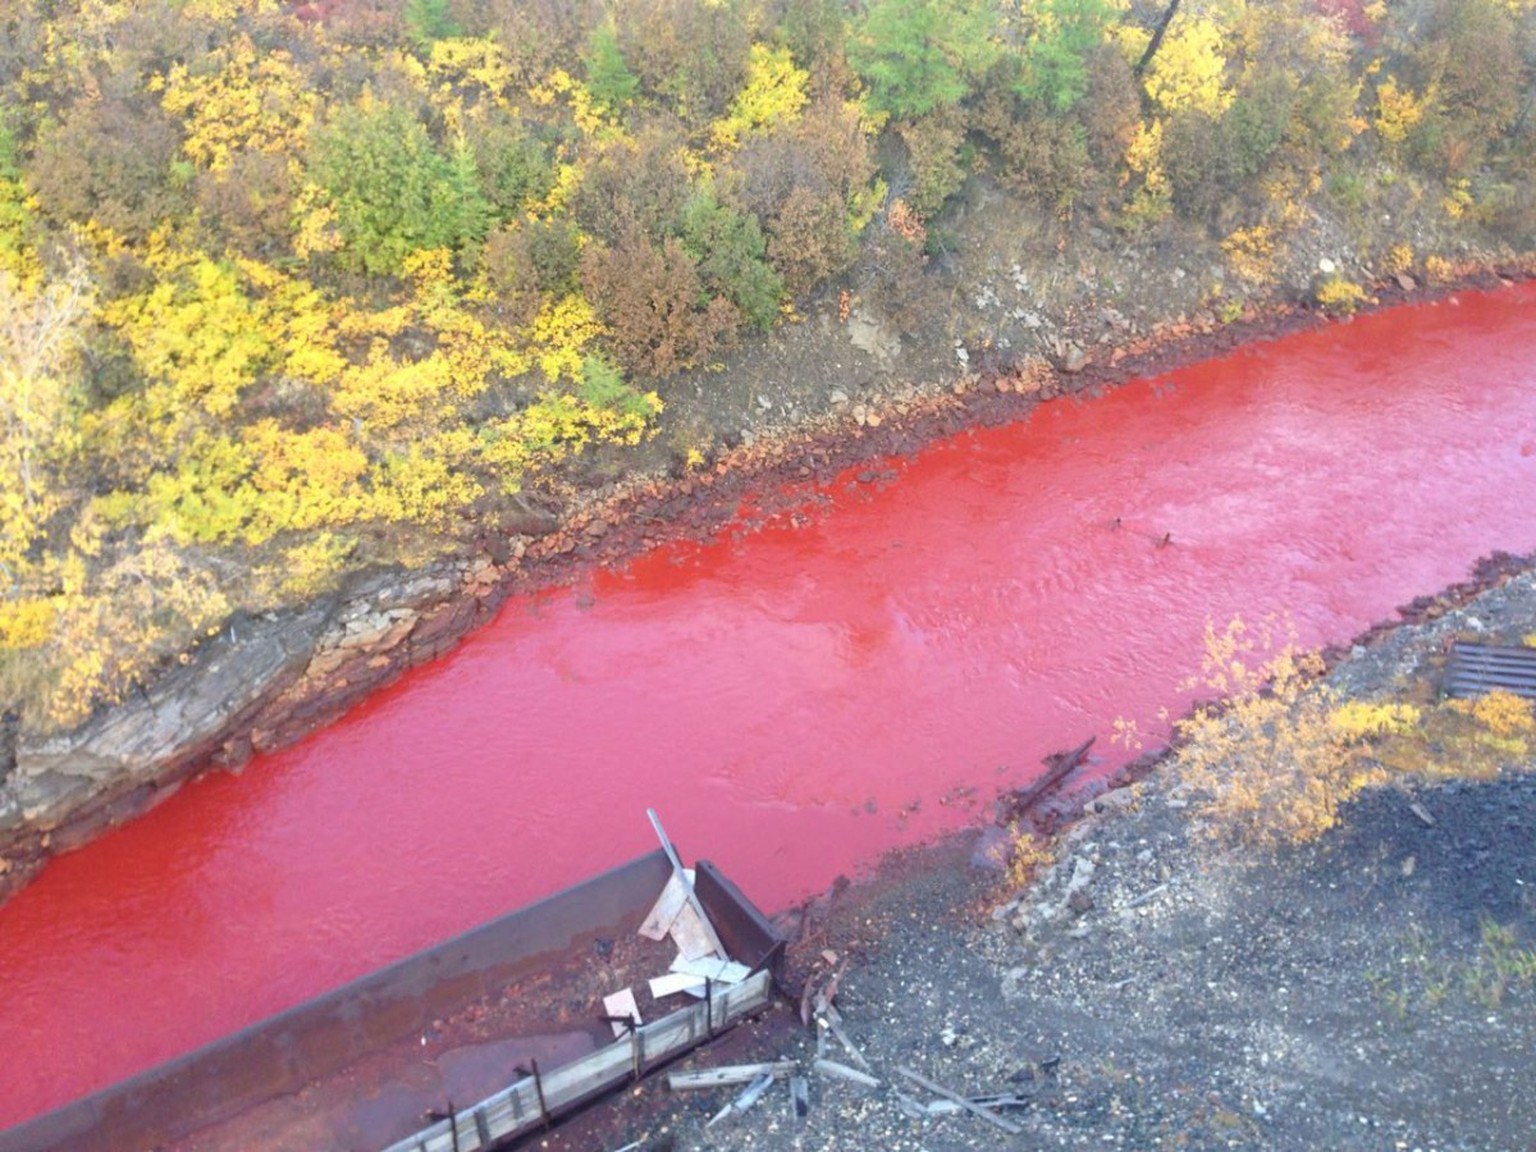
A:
1474	669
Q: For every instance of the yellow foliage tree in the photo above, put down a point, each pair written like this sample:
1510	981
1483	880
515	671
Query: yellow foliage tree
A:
1189	72
112	628
469	74
196	336
1397	111
774	93
239	100
562	334
40	330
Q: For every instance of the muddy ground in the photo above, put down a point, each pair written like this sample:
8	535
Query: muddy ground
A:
1373	990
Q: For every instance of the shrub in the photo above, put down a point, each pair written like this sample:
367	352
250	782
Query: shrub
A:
730	251
1268	757
652	300
392	191
933	149
1340	297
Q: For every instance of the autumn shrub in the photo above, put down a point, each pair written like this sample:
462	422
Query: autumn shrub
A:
812	185
1465	61
652	300
1035	154
633	184
109	161
690	56
1267	758
1340	297
935	145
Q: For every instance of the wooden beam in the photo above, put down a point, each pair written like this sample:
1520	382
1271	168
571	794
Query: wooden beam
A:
727	1076
975	1109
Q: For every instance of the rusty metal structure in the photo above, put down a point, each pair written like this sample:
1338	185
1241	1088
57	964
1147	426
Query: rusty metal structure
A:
324	1037
1474	669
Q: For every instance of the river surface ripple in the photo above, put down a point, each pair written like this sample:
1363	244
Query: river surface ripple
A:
796	699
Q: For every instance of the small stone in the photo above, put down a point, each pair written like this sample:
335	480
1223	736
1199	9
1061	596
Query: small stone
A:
1327	267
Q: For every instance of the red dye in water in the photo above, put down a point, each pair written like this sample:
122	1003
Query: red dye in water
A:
798	700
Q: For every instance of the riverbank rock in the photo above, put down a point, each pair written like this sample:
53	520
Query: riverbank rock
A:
259	684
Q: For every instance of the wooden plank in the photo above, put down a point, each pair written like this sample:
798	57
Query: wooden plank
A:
843	1072
975	1109
751	1096
706	968
677	870
658	922
674	982
694	936
831	1019
727	1076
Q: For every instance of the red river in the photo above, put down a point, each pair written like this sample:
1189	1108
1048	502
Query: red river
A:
798	699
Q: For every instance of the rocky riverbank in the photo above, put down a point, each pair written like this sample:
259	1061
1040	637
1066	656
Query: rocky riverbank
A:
1375	989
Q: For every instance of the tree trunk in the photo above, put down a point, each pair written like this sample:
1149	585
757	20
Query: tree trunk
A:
1157	37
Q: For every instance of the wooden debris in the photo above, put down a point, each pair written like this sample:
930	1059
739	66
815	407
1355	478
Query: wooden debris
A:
1149	894
832	1021
711	968
799	1097
524	1105
975	1109
910	1107
998	1100
693	935
748	1098
843	1072
673	898
1059	766
674	982
725	1077
813	1000
620	1007
692	899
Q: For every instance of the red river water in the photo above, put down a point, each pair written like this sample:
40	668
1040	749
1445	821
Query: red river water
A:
800	698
